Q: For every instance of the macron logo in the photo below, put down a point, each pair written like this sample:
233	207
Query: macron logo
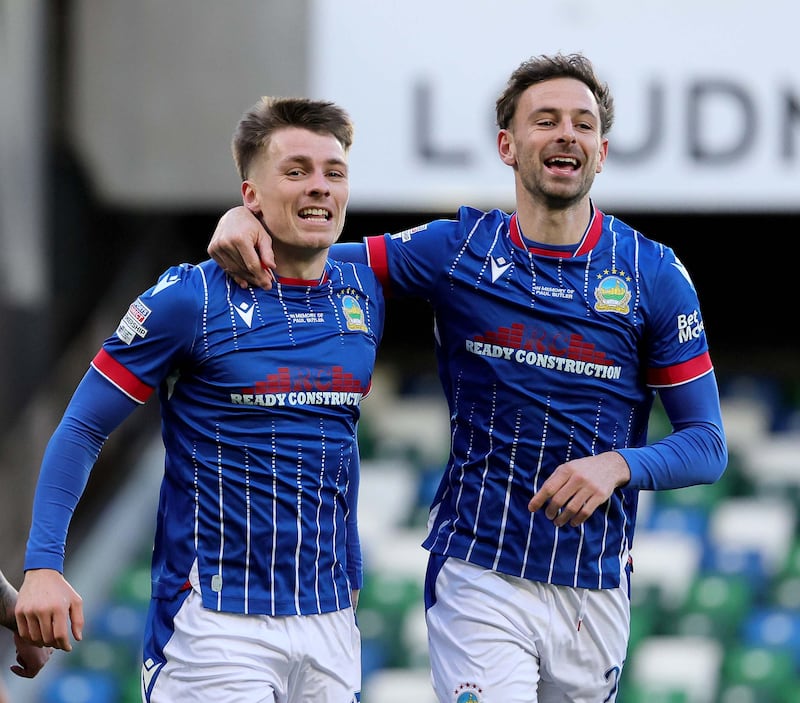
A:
166	282
499	267
245	311
149	671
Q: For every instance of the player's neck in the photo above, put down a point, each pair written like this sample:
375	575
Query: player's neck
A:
299	263
554	226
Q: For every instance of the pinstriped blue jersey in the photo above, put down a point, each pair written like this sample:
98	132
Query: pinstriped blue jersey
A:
545	355
259	393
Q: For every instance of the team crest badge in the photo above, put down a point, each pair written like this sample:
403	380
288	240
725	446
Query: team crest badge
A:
353	313
612	295
468	693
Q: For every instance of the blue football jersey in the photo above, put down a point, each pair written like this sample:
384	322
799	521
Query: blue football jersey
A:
259	394
545	355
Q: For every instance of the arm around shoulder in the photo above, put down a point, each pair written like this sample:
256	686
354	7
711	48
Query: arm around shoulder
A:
243	248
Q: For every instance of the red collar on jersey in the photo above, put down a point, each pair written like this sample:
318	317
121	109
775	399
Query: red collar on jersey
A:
309	283
586	244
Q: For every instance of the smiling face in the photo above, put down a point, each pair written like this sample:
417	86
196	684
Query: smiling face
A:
299	184
554	142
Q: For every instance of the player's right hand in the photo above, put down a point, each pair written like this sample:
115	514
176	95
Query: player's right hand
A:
243	248
47	609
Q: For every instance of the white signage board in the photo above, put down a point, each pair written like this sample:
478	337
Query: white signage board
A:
707	97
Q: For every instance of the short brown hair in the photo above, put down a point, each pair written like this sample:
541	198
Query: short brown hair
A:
270	114
543	68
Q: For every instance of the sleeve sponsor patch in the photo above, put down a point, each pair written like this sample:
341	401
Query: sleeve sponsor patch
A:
132	323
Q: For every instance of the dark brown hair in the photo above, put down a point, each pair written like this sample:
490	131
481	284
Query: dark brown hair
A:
270	114
543	68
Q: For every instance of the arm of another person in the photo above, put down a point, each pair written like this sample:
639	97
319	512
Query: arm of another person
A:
242	247
694	453
48	608
30	657
8	597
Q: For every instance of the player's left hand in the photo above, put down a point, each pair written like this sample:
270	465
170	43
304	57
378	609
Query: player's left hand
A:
575	489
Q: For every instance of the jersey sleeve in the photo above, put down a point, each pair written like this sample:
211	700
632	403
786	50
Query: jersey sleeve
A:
679	367
353	252
411	263
696	451
155	331
677	344
95	410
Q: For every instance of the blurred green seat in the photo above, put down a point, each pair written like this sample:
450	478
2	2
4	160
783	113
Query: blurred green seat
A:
745	693
791	564
784	588
645	622
116	659
133	585
390	593
715	606
651	693
785	591
384	604
131	687
705	497
667	667
733	482
767	673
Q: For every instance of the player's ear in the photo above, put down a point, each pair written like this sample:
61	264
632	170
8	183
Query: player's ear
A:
505	147
250	196
603	155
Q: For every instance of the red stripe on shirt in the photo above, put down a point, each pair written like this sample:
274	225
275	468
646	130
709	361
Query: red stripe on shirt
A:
123	379
377	259
680	373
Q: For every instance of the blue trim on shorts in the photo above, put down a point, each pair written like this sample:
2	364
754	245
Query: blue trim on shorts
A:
628	572
435	564
159	628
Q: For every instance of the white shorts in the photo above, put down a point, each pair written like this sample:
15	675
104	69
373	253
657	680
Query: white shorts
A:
230	658
495	638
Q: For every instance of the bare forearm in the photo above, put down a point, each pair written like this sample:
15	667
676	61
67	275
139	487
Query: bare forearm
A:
8	598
